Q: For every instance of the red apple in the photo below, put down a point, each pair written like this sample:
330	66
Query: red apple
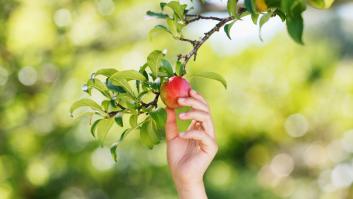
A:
176	87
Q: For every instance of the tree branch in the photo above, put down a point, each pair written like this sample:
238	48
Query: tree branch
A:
206	36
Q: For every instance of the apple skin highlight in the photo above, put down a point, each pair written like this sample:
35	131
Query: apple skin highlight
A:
176	87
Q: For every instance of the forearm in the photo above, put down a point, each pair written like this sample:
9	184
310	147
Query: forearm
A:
191	191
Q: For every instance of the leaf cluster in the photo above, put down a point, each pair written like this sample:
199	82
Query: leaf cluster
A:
131	93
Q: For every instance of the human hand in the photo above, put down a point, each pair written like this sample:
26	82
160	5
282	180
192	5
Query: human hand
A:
190	153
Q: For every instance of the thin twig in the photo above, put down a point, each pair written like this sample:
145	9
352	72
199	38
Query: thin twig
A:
192	42
152	103
198	43
198	17
204	39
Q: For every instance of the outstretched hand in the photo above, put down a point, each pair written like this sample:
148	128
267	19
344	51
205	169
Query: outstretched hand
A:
190	153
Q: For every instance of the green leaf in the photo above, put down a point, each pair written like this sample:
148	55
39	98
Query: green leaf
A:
264	19
86	103
148	134
119	119
103	128
295	27
157	29
106	72
279	13
159	116
137	84
154	61
167	67
250	6
117	89
321	4
132	105
155	85
105	104
113	151
156	14
232	7
179	9
180	68
273	3
227	29
128	75
143	71
293	8
143	93
97	84
162	5
295	24
122	83
254	18
125	98
93	127
133	120
211	75
124	134
174	27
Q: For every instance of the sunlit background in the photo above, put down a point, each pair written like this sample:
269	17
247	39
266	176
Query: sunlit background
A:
284	125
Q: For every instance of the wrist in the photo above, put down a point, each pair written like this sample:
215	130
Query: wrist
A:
191	190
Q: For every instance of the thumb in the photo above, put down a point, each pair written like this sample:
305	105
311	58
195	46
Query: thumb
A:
171	128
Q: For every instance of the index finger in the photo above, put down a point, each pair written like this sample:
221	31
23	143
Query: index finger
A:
194	103
197	96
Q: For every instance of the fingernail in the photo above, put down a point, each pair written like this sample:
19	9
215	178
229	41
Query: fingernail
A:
182	114
193	92
181	100
182	134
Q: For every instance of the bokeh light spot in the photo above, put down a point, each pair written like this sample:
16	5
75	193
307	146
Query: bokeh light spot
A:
282	165
342	175
257	155
27	76
37	173
221	174
296	125
24	142
62	17
315	155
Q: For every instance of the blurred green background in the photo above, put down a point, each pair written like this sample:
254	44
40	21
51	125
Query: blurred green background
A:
284	126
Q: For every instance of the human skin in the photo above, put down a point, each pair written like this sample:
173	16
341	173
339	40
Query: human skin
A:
190	153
